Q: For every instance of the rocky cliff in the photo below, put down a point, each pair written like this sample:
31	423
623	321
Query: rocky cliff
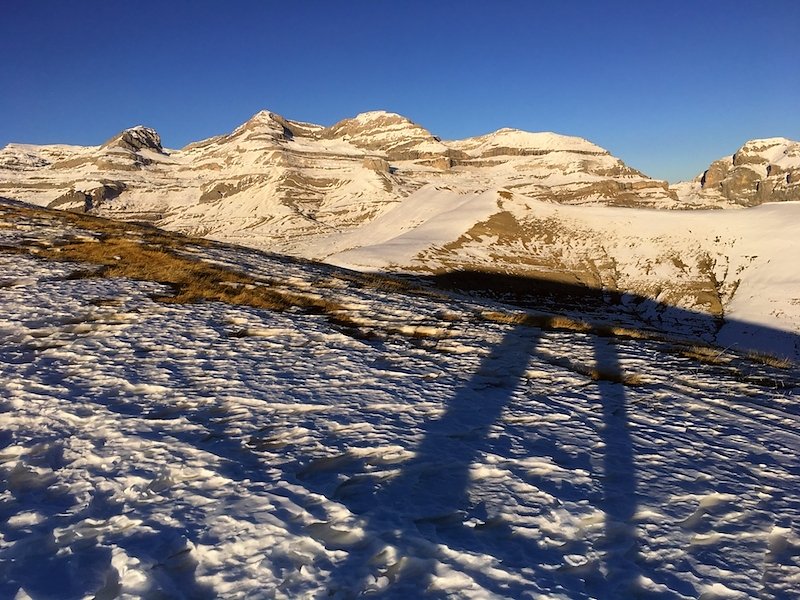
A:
765	170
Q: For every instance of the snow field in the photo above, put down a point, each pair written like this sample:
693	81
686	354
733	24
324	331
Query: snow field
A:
210	450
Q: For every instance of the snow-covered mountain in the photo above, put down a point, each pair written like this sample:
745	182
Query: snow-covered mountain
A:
272	178
378	191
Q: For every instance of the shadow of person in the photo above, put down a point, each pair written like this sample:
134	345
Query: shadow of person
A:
429	511
619	545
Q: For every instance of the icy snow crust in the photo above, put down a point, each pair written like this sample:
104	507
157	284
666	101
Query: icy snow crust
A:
198	451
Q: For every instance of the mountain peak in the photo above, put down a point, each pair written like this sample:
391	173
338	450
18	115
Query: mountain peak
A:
391	133
265	122
766	142
384	116
136	138
778	151
371	121
265	116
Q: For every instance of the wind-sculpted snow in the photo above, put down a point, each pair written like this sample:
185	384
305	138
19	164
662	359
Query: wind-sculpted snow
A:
154	449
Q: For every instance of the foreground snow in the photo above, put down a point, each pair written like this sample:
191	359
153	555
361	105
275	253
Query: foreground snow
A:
155	450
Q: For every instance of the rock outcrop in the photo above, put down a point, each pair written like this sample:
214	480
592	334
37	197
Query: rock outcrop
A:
389	133
84	201
766	170
135	139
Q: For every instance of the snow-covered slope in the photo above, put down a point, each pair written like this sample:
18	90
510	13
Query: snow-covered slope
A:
442	449
735	264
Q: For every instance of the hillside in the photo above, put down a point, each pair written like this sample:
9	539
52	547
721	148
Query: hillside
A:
183	418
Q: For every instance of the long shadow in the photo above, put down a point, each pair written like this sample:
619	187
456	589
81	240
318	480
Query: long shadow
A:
618	482
633	309
429	502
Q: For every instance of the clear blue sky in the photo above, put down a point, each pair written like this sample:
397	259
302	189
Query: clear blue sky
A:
667	86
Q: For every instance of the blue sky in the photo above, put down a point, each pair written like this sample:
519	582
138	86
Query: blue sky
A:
666	86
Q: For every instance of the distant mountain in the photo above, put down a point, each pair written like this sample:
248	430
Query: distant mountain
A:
766	170
379	191
273	178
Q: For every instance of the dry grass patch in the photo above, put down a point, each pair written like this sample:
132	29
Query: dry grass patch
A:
145	253
376	281
597	373
705	354
540	320
771	360
614	375
565	323
625	332
148	254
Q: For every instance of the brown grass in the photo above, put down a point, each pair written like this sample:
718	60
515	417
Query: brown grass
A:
614	375
625	332
540	320
771	360
705	354
564	323
145	253
148	254
593	372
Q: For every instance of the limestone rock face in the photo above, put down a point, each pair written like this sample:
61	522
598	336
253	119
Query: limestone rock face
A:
136	139
376	164
764	170
84	201
264	124
715	174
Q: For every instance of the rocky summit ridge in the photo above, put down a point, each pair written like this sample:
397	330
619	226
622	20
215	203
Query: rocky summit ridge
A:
562	168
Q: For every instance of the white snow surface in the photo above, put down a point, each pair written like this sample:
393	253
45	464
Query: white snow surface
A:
545	141
155	450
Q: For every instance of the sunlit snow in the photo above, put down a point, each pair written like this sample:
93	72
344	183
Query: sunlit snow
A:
209	450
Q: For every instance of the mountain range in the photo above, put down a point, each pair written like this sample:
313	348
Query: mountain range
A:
380	192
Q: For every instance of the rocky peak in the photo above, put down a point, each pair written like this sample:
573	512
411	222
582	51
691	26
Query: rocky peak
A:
136	139
395	135
766	151
267	123
370	122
